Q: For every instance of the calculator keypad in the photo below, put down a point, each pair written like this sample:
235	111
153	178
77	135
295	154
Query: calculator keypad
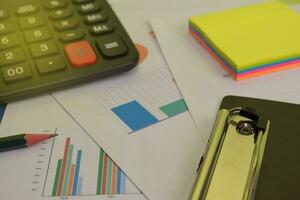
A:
54	38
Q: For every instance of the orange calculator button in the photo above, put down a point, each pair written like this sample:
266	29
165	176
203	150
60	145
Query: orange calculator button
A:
80	54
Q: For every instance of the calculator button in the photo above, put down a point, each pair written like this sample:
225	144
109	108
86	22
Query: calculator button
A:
6	27
101	29
43	49
82	1
112	48
26	9
95	18
56	4
37	35
31	21
3	14
8	41
49	65
66	24
60	14
89	8
80	54
71	36
16	72
11	56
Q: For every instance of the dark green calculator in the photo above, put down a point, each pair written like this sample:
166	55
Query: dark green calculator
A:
46	44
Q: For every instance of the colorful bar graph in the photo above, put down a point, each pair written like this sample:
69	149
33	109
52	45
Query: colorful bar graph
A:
68	182
109	176
174	108
134	115
2	111
67	174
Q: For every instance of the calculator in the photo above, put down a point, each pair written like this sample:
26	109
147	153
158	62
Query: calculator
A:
45	44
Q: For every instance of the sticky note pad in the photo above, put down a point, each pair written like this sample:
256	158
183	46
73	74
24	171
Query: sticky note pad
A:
252	40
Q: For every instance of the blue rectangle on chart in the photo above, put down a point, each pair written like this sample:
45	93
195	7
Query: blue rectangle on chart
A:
134	115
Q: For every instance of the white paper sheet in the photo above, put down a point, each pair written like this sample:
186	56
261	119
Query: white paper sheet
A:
161	158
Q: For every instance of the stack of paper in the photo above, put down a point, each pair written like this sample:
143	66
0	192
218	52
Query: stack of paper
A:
251	41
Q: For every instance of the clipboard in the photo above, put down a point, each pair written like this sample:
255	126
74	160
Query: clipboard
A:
278	176
280	171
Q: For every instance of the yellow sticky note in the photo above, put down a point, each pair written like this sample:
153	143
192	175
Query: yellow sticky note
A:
253	35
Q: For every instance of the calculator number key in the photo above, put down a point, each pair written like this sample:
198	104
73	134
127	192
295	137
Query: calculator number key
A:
111	48
43	49
37	35
11	56
6	27
16	73
80	54
26	9
31	21
8	41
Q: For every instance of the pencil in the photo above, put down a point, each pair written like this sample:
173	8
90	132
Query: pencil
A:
22	141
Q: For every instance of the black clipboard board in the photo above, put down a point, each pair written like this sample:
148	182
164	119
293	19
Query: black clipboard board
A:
279	177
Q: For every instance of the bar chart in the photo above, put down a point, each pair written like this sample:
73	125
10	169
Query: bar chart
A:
84	170
138	103
137	117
